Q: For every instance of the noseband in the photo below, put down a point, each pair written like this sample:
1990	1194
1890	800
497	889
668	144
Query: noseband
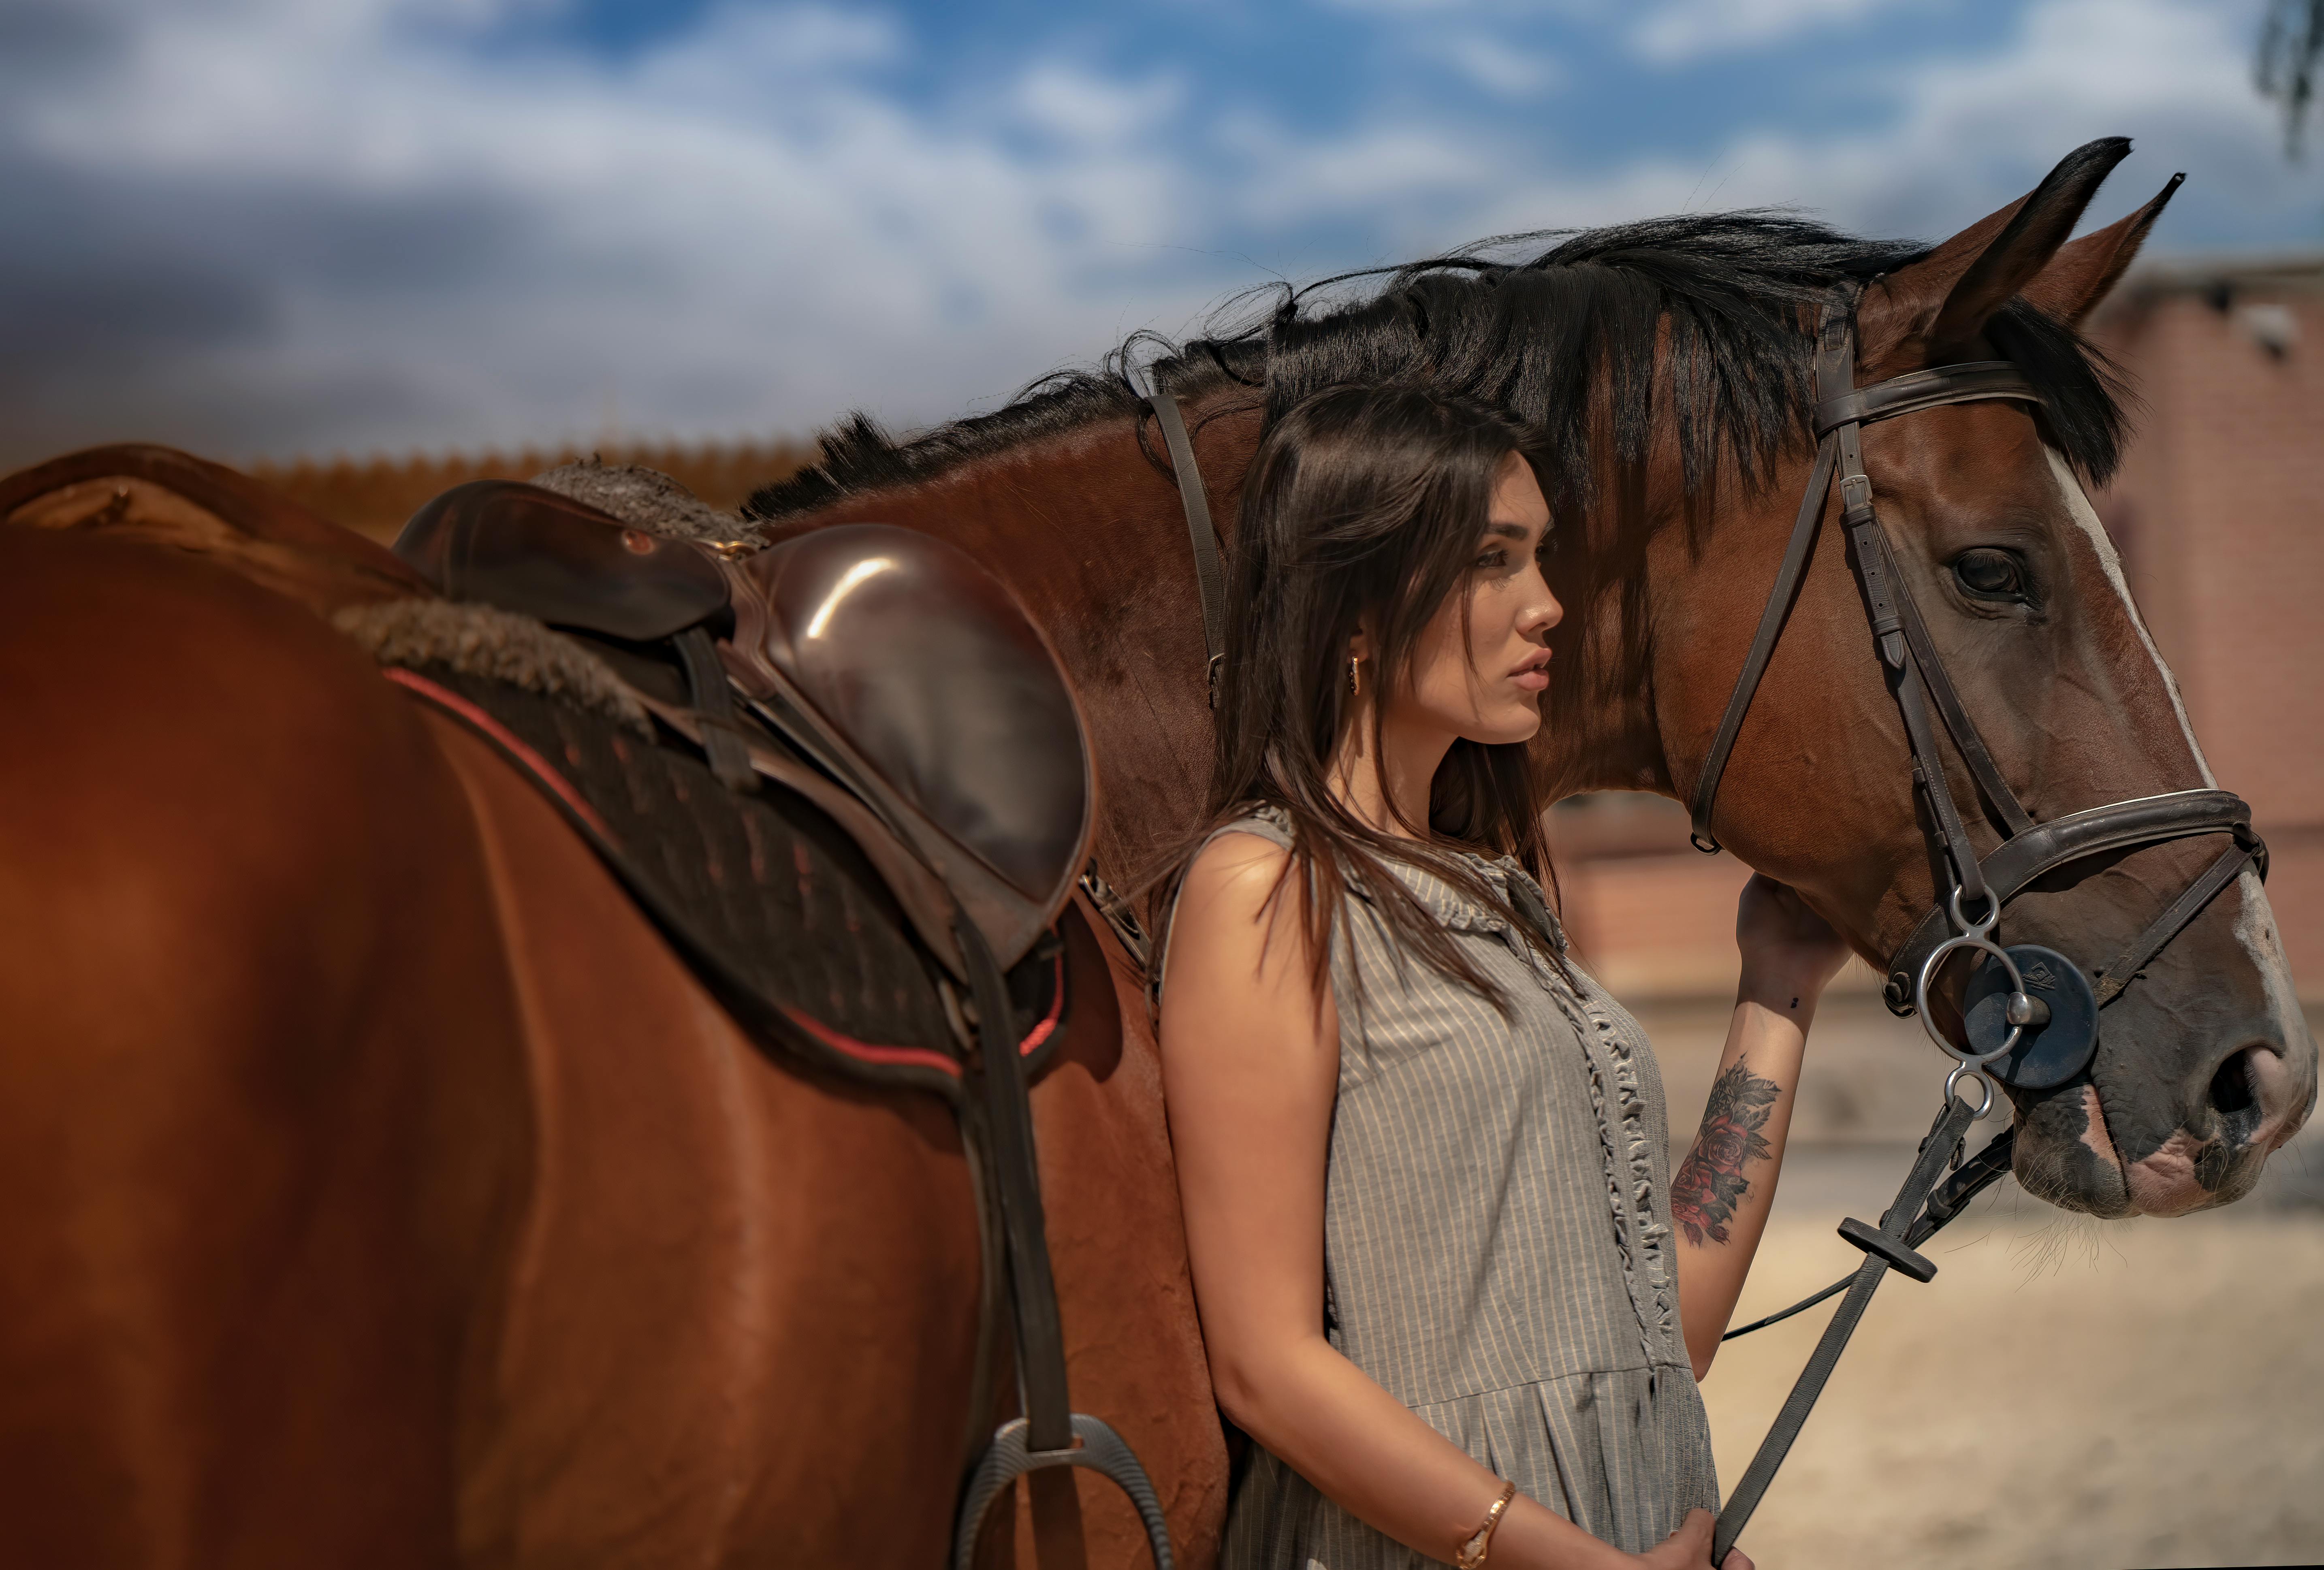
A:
2025	1040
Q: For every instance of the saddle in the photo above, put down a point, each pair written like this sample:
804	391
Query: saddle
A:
878	672
871	701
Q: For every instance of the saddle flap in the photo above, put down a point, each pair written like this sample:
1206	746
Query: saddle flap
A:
529	549
921	678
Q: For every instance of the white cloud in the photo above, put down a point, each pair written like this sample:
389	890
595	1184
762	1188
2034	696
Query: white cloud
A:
361	234
740	233
1686	30
1945	141
1499	66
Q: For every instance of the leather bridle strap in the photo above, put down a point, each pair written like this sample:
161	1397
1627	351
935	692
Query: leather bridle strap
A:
1209	575
1840	410
2118	826
1788	577
2124	967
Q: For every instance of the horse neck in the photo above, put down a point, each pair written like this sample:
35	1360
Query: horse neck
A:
1089	534
1629	574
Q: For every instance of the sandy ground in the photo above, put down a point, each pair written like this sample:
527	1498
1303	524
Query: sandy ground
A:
2064	1393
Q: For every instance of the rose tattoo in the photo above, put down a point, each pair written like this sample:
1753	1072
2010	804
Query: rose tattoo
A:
1710	1183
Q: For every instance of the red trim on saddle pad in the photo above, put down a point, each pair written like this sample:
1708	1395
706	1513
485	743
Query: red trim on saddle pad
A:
444	697
920	1057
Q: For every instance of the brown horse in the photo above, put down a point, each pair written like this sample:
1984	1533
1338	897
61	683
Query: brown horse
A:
381	1190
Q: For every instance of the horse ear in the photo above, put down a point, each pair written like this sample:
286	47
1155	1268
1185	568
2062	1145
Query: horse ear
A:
2085	272
1975	271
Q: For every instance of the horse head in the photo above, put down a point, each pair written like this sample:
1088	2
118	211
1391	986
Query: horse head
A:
2204	1065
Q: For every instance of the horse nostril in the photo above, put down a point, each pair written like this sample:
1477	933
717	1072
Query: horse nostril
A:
2234	1094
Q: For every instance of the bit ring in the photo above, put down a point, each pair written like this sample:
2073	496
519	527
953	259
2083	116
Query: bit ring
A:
1984	1106
1983	945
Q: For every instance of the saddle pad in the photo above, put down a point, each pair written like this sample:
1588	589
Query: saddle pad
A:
771	904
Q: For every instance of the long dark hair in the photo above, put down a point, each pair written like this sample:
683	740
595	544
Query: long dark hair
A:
1363	507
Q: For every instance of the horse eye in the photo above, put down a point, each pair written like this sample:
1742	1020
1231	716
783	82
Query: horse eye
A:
1990	575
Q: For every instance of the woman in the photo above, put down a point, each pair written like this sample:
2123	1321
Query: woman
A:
1425	1158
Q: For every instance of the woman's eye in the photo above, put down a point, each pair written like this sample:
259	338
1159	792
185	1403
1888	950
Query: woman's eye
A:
1990	575
1493	560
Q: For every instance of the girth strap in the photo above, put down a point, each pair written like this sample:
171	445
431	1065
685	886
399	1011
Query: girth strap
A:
1209	575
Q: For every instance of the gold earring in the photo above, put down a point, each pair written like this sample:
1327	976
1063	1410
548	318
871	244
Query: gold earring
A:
1355	684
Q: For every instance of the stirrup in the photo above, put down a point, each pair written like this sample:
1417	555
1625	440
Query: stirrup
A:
1005	1457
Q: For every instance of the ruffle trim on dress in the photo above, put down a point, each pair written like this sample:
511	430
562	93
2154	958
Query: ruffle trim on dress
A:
1654	1237
1642	1244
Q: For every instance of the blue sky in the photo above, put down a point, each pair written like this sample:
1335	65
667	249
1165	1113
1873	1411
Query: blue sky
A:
260	228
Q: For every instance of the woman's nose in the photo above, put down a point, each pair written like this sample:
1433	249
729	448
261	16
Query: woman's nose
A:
1541	612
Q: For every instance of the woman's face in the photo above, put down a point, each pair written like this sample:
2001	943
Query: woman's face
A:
1486	687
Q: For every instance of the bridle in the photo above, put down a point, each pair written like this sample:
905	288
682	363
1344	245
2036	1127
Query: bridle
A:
1917	680
2031	1014
2025	1040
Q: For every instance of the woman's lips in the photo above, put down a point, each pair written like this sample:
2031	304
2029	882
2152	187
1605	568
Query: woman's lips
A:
1534	674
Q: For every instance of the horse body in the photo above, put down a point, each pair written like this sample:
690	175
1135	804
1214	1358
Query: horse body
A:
404	1201
259	1176
385	1191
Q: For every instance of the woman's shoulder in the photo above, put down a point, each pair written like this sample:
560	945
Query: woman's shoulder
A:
1236	868
1258	820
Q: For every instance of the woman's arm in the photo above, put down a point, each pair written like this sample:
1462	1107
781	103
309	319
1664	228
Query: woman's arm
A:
1251	1070
1721	1194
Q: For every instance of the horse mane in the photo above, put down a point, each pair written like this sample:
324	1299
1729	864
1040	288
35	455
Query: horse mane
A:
1702	321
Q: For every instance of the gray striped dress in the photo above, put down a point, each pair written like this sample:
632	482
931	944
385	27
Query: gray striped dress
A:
1496	1242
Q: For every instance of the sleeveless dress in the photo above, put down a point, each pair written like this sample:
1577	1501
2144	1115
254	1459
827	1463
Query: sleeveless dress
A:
1497	1248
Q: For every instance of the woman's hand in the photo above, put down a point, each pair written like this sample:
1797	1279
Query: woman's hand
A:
1787	948
1688	1548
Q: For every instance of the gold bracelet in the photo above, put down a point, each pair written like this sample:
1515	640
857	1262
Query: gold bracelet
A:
1480	1542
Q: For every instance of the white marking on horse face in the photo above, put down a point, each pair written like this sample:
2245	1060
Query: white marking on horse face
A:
2255	924
2085	516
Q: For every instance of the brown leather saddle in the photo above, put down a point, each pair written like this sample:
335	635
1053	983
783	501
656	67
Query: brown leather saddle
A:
879	672
883	678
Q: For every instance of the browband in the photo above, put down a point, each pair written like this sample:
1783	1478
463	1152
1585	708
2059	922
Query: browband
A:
1917	390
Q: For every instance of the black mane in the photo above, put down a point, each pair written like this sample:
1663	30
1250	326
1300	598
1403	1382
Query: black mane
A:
1726	295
